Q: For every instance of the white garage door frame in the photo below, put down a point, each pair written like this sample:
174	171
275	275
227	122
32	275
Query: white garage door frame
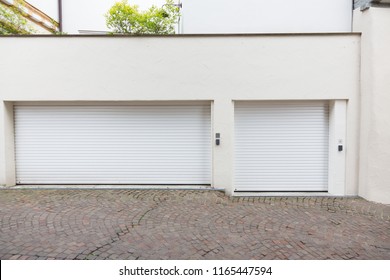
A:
336	159
203	177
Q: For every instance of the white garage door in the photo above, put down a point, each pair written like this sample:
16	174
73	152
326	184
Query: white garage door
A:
281	146
113	144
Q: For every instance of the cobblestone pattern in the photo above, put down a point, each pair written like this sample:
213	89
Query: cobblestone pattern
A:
162	224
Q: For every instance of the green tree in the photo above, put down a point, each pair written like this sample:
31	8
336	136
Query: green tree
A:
128	19
12	20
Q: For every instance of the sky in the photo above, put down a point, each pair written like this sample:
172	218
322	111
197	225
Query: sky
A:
85	14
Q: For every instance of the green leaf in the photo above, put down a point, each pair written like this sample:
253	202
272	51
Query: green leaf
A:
124	18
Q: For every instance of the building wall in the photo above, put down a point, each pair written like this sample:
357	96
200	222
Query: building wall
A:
263	16
215	69
38	29
48	7
374	176
363	4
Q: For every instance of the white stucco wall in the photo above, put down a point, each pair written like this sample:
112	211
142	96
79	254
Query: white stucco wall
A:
215	69
264	16
374	179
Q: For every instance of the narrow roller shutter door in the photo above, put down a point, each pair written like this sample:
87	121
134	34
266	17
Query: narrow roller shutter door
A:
281	146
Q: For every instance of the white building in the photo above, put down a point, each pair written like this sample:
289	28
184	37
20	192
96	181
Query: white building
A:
264	16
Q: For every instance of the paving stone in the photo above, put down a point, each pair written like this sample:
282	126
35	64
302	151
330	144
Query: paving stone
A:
186	224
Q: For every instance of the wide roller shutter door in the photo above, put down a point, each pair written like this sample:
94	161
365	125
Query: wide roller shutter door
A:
113	144
281	146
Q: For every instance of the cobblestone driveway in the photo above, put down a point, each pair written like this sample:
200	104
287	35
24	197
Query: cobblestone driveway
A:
162	224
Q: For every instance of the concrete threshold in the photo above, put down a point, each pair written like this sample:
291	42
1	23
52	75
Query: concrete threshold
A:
291	194
110	187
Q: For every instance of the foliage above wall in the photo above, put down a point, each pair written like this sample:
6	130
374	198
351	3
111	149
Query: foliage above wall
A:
124	18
